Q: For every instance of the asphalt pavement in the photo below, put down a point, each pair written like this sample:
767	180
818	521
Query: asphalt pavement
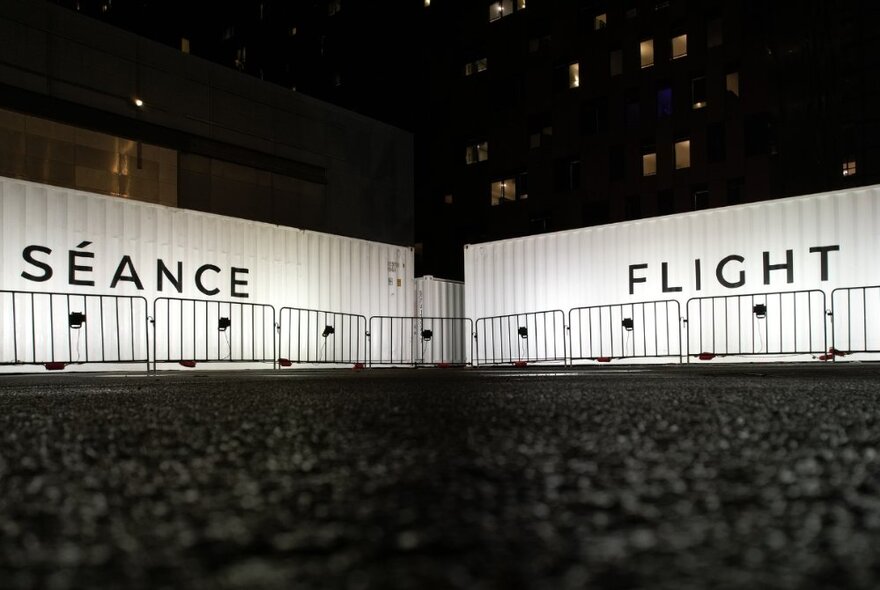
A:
686	477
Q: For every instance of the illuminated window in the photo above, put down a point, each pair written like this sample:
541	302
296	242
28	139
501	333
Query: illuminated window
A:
733	83
574	79
649	163
293	31
427	3
503	190
616	62
475	67
334	6
184	45
679	46
682	154
477	152
646	50
715	33
447	199
537	44
849	167
698	93
504	8
600	22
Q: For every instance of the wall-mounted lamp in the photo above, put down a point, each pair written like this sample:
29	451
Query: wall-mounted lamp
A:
223	324
627	324
76	319
138	103
523	332
427	334
328	330
760	311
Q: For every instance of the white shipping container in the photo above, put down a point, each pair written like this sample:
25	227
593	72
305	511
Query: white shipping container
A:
56	240
439	303
624	290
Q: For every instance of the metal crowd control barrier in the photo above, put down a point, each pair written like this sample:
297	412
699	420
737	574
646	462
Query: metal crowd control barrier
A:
57	329
649	329
196	330
400	340
855	320
522	337
314	336
781	323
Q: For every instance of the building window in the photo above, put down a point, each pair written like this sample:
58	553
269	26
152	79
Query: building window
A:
540	136
600	22
447	199
334	6
594	116
616	163
632	113
632	12
616	62
715	33
567	175
665	202
477	152
849	167
633	207
646	50
664	102
476	67
732	82
504	8
293	31
503	190
522	186
679	46
537	44
574	79
683	154
735	191
698	93
649	163
717	151
700	195
184	45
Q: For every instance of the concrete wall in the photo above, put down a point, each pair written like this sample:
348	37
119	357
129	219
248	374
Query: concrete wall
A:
246	147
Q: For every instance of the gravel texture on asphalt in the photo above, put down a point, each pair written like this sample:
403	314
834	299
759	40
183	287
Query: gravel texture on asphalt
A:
747	478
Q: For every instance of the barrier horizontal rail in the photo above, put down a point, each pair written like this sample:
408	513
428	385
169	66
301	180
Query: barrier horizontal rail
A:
420	341
58	329
198	330
647	329
311	336
536	337
777	323
855	320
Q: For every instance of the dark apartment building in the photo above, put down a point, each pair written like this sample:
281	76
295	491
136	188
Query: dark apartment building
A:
533	116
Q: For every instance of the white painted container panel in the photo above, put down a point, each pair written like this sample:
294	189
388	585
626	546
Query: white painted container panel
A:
65	241
812	245
440	305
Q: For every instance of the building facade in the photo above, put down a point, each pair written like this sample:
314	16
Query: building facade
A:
88	106
540	116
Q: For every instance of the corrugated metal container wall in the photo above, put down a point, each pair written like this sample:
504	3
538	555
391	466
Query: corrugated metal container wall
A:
58	240
443	301
697	266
